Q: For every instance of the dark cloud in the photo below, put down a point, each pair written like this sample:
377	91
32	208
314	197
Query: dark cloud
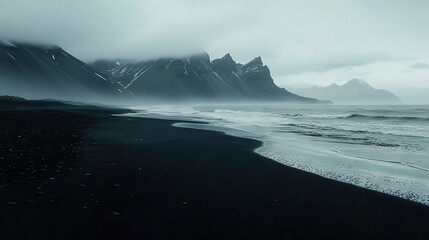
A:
419	66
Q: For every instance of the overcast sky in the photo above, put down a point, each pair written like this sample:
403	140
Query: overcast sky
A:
384	42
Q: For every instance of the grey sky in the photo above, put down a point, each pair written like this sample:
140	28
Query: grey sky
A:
303	42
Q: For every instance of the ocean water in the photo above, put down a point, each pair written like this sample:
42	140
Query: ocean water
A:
383	148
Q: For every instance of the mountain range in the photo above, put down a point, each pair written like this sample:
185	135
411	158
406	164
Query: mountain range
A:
48	71
354	91
197	77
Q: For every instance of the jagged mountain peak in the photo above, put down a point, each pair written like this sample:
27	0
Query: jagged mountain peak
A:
226	63
255	63
227	56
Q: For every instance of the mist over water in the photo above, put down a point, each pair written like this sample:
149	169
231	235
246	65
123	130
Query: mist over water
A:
383	148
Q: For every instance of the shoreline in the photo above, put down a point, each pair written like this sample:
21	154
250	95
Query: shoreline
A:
199	125
139	178
382	169
264	151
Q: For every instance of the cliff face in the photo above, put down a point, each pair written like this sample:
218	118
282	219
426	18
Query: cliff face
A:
197	77
49	71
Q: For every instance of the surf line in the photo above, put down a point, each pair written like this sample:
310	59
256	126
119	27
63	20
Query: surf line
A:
381	160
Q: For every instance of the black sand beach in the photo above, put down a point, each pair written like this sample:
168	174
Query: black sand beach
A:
80	173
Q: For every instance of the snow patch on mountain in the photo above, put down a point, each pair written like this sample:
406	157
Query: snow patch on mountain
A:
100	76
10	55
8	43
136	76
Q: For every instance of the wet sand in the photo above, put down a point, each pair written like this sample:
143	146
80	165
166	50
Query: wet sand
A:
80	173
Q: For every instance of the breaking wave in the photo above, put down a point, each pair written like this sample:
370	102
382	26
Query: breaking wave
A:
375	117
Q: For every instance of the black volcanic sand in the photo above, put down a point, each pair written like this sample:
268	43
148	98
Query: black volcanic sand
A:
79	173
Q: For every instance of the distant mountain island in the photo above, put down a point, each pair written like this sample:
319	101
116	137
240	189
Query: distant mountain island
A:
354	91
47	71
